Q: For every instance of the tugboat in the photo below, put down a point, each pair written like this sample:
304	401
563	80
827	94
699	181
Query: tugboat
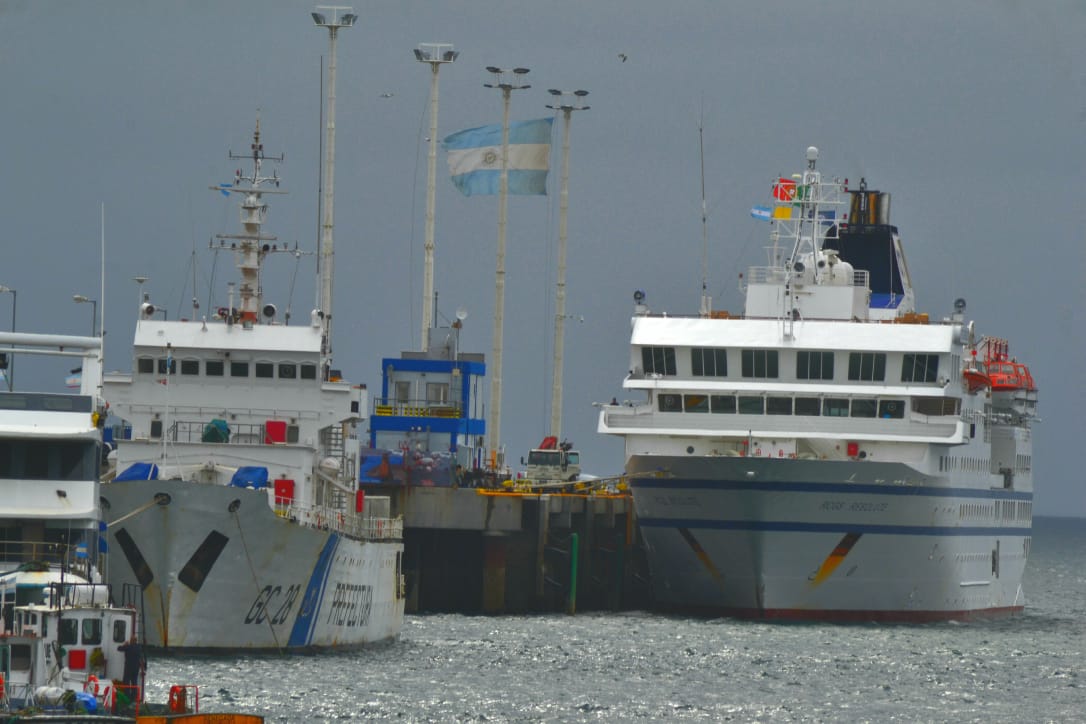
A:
831	453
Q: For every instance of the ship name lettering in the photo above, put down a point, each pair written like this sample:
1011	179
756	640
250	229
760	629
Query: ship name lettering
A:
868	507
833	504
351	605
676	500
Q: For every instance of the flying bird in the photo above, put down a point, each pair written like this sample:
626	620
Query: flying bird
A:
622	57
387	94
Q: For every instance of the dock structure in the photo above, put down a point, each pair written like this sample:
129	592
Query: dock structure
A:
509	550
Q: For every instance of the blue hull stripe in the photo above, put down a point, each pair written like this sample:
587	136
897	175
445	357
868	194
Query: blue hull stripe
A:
678	485
799	527
302	633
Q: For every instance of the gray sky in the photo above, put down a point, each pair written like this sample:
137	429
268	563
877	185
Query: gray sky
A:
970	113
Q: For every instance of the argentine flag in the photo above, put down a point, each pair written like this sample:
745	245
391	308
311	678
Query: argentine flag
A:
475	158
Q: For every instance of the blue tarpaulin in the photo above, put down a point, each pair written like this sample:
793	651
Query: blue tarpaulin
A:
138	471
250	477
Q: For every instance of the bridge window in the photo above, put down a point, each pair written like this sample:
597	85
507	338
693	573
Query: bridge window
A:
709	362
760	363
814	365
864	408
835	407
722	404
92	631
919	367
778	405
658	360
751	405
892	409
696	403
867	366
937	406
811	406
671	403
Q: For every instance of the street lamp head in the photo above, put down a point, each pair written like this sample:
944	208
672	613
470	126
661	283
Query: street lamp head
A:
5	290
348	20
554	91
494	69
581	93
80	299
319	19
435	53
520	71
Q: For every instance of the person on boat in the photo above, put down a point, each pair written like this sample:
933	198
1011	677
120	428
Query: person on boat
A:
134	663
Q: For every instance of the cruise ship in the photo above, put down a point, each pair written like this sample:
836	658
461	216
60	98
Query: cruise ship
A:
832	453
234	510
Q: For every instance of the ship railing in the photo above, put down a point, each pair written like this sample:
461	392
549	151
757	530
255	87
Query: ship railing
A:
346	523
396	407
789	425
192	431
24	551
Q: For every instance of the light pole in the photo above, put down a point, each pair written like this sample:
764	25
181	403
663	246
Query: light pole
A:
80	299
435	54
337	21
11	357
494	421
567	108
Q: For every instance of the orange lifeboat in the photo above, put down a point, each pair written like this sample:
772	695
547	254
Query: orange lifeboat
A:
1005	372
975	379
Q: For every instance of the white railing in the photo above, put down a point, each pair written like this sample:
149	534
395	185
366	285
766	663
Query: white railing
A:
348	523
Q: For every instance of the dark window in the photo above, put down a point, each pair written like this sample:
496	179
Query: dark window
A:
778	405
835	407
92	631
722	404
696	403
937	406
68	632
751	405
863	408
671	403
213	368
709	362
239	369
309	372
868	366
814	365
760	363
190	366
156	429
120	631
264	369
808	406
288	371
162	365
919	367
145	365
892	409
658	360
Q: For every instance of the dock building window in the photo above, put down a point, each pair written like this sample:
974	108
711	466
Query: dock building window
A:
437	393
239	369
190	366
709	362
811	406
919	367
213	368
722	404
658	360
867	366
309	372
264	369
288	371
814	365
163	362
760	363
145	366
671	403
696	403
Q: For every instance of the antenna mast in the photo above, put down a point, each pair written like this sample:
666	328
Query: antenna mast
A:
706	300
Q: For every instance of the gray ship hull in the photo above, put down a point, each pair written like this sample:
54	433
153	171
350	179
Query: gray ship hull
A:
216	569
827	540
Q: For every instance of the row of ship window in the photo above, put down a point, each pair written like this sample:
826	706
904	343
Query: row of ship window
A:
765	364
220	368
809	406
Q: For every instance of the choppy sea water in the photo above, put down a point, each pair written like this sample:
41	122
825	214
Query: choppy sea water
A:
614	667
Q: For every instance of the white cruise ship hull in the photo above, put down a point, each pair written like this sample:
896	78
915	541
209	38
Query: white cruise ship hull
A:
217	569
827	540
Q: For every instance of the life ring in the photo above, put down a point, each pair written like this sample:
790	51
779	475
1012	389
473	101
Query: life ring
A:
92	681
178	697
109	697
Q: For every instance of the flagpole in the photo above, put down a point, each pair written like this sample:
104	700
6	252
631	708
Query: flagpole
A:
560	291
494	416
435	54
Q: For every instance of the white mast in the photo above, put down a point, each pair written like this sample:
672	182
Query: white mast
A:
494	418
560	293
706	300
435	54
338	21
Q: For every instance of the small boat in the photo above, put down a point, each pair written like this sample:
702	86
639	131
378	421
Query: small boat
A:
73	658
